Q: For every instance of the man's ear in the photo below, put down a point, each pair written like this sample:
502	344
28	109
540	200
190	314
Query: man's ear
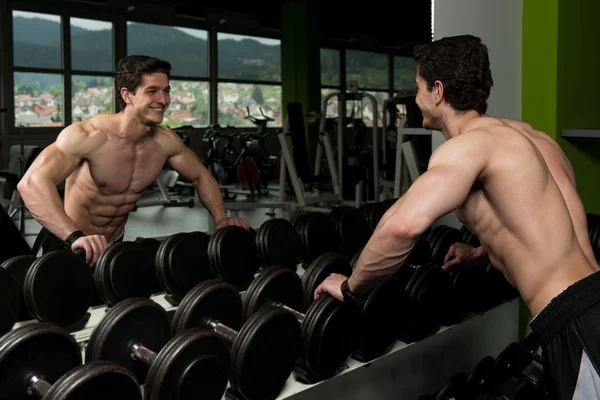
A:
126	95
438	92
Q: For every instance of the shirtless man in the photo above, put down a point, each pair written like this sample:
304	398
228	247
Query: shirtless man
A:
109	159
491	173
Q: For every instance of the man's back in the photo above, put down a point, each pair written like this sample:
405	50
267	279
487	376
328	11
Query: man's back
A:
518	211
563	174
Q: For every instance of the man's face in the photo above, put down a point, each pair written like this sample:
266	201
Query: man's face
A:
152	97
426	102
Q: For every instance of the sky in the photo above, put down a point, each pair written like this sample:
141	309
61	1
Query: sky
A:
100	25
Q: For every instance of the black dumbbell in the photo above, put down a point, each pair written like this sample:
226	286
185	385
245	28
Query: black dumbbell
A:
263	349
136	334
57	287
233	256
330	329
520	371
278	243
482	378
317	234
124	270
43	361
10	301
181	263
353	230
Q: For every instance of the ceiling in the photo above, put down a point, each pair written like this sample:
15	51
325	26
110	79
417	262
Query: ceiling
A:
396	24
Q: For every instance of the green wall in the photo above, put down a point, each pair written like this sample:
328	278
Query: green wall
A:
560	62
560	38
578	105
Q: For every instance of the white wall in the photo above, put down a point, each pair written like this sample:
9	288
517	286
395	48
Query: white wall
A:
499	23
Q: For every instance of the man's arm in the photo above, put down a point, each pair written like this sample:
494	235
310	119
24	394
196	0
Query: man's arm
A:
51	167
453	169
184	161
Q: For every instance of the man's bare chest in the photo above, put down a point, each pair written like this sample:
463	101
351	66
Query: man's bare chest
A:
125	170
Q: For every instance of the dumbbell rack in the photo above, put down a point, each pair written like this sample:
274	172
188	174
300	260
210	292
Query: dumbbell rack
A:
407	370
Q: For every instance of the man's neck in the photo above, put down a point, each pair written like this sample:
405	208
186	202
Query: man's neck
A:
455	123
132	129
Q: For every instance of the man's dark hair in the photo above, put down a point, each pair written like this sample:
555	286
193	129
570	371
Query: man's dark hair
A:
461	63
130	71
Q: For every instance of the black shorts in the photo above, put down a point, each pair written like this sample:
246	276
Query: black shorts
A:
569	331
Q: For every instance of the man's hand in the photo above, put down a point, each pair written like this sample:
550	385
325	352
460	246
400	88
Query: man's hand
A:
94	246
237	221
331	285
463	255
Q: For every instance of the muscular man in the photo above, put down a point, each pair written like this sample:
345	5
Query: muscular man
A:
562	172
492	174
109	159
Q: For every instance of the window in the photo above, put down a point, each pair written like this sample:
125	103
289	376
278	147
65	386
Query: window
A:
187	51
38	76
249	74
370	70
92	90
405	70
330	67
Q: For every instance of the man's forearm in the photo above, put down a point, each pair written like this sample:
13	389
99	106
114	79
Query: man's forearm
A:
209	195
43	202
379	260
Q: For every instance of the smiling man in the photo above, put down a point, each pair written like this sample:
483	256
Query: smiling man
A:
109	159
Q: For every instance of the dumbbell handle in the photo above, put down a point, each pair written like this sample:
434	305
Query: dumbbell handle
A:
142	353
299	316
38	387
225	332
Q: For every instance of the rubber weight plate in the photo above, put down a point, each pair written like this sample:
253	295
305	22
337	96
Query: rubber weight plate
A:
135	320
454	388
233	255
10	301
482	377
273	285
124	271
151	246
17	267
379	323
97	380
329	335
195	361
265	352
40	349
352	228
59	288
319	235
280	243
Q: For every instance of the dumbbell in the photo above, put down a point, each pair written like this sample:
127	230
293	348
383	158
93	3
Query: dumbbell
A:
56	287
510	366
318	235
353	230
429	292
136	334
44	361
329	328
10	301
181	263
263	349
278	243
